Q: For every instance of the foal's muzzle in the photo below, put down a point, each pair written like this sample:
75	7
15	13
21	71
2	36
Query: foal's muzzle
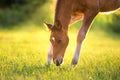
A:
58	62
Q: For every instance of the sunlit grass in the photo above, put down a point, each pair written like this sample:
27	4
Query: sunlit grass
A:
23	56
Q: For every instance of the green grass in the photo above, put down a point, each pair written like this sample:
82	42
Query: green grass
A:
23	56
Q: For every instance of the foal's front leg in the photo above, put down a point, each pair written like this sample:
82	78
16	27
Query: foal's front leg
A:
87	20
50	51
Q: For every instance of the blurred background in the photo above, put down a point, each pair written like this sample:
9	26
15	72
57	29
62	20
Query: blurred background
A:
25	14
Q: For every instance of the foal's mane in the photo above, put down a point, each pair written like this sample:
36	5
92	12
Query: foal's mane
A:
57	9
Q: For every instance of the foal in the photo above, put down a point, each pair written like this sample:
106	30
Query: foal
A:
68	11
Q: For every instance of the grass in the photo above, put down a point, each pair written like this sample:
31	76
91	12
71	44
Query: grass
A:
23	56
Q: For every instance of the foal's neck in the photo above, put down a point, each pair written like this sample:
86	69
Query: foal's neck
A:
63	13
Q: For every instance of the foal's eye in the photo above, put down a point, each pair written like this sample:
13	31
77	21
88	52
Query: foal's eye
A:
59	41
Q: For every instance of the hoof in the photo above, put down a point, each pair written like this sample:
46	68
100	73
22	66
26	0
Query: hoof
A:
48	62
74	62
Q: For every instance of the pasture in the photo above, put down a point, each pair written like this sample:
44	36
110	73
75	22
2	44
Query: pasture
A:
23	56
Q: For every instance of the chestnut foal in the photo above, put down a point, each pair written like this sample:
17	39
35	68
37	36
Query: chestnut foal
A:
67	12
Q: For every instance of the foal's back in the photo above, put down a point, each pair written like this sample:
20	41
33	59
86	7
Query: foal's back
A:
101	5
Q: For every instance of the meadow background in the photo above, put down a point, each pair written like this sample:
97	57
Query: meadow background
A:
24	42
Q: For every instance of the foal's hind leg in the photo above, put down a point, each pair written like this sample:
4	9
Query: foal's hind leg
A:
49	55
87	20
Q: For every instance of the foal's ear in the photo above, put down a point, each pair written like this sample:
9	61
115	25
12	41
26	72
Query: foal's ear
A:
48	26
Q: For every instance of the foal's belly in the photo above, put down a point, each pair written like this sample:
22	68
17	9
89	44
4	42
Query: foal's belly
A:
109	5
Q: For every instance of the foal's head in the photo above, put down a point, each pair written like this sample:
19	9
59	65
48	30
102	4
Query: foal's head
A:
59	41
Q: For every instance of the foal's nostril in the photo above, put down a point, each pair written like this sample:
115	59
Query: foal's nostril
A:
58	62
